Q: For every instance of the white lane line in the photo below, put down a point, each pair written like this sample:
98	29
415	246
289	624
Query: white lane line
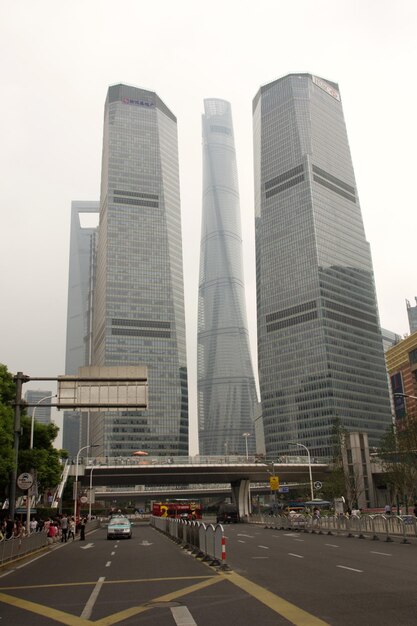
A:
331	545
298	556
264	547
352	569
108	563
243	535
260	557
112	553
241	541
381	553
290	534
182	616
299	540
86	614
275	535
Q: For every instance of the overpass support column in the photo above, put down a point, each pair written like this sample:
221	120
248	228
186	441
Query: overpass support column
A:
241	496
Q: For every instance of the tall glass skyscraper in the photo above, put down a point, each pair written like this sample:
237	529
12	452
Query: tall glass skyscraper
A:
139	294
226	386
320	351
79	312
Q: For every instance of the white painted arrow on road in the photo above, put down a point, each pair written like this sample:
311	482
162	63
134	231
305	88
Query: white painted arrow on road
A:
89	545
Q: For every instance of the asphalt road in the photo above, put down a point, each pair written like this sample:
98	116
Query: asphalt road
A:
277	578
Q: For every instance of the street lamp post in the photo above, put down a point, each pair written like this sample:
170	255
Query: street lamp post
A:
246	435
32	430
90	493
92	445
301	445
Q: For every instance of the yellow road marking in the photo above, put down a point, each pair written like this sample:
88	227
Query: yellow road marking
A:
108	582
286	609
292	613
59	616
168	597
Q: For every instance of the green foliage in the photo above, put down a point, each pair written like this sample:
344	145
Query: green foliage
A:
44	458
6	427
398	454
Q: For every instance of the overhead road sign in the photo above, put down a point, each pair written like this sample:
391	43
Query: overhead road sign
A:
101	388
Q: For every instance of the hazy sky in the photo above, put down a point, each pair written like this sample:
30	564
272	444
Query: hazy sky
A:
57	61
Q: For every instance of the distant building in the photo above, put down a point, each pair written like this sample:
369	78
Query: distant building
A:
320	351
42	399
226	385
402	370
412	315
389	338
79	313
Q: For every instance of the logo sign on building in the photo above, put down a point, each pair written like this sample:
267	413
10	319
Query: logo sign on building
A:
25	481
326	87
138	103
274	483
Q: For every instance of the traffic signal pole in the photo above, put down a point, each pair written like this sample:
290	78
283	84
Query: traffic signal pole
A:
20	378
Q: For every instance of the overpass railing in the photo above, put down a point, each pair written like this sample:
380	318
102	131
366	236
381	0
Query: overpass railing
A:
375	526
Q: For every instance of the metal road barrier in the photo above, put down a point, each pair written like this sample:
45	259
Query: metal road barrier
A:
16	547
205	541
375	526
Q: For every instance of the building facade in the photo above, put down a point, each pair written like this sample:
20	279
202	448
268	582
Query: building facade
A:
320	352
402	372
42	400
138	316
412	315
83	241
226	386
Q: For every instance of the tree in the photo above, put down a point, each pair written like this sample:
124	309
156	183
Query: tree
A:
44	458
398	453
7	391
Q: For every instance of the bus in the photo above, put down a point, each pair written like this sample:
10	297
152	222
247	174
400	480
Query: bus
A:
183	509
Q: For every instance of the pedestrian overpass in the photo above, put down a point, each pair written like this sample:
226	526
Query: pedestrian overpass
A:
236	472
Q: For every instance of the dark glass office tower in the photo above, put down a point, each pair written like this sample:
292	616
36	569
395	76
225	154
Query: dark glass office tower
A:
320	351
226	387
139	293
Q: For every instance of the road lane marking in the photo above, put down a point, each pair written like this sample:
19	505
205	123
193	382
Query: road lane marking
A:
169	597
299	540
112	553
331	545
241	541
296	555
182	616
289	611
88	609
60	617
352	569
260	557
381	553
108	563
89	545
243	535
264	547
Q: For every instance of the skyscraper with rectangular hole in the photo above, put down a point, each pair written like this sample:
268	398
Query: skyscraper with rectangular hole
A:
321	361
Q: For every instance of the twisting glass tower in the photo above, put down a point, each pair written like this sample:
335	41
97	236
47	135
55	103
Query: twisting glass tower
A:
139	293
321	362
226	387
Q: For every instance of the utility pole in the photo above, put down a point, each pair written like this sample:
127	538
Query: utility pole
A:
19	379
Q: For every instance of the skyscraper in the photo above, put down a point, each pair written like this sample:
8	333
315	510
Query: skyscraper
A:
139	295
42	400
320	352
226	386
83	236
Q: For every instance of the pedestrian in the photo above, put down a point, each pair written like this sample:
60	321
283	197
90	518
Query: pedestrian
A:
71	528
83	523
387	509
33	524
64	528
